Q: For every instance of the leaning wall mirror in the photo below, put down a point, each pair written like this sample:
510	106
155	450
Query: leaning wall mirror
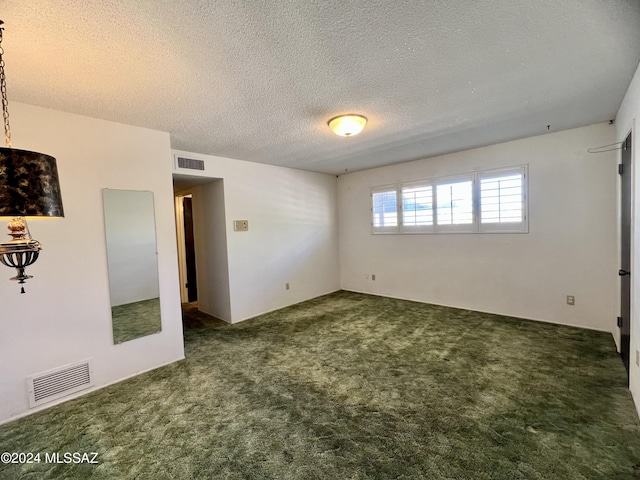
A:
133	263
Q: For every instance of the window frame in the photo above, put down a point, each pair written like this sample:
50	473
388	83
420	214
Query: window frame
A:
476	225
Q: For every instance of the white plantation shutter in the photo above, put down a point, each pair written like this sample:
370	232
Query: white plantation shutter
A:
454	204
384	210
417	207
491	201
503	201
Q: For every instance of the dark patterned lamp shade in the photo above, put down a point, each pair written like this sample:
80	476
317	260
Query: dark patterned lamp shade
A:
29	184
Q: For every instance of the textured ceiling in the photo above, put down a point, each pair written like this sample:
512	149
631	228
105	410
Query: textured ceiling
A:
258	80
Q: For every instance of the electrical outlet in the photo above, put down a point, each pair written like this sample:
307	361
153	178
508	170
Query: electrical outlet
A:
571	300
286	287
373	276
241	225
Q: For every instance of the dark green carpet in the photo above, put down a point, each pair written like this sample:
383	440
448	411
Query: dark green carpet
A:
350	386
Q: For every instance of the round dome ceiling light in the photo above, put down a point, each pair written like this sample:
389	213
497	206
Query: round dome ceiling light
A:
347	125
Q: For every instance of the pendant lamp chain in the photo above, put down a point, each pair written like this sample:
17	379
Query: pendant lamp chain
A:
3	93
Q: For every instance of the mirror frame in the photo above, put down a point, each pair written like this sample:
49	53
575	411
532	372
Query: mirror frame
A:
132	263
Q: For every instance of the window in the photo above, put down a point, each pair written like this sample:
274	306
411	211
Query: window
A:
502	200
455	204
384	209
483	202
417	207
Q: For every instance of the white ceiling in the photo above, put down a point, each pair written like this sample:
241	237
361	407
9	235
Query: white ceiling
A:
258	80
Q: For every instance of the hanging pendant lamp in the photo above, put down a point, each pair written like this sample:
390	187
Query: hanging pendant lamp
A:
29	186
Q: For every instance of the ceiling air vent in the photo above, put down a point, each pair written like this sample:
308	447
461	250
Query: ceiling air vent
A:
53	384
190	163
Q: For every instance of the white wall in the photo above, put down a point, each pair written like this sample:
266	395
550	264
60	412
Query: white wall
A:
65	315
626	120
570	248
292	237
212	256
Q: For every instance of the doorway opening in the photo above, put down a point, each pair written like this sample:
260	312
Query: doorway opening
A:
187	265
186	239
202	245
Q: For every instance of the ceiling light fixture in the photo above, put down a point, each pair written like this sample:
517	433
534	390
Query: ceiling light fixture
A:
29	186
347	125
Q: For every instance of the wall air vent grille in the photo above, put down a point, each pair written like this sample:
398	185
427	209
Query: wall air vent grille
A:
190	163
53	384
